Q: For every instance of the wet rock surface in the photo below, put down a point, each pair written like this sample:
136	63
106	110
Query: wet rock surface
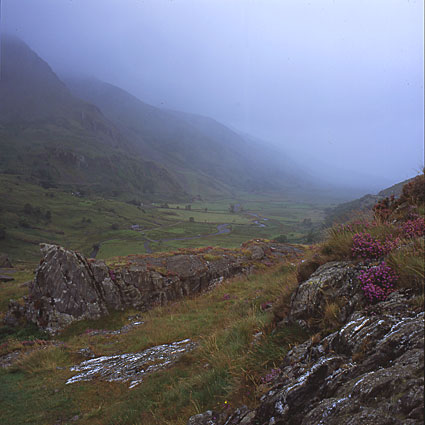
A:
333	282
370	371
68	287
131	367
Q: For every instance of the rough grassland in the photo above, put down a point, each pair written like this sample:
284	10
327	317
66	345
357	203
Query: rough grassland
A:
225	369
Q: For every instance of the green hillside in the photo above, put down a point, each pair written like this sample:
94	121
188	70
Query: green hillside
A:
206	157
58	140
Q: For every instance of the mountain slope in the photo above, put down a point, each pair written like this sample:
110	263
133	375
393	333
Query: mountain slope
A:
55	138
348	210
203	154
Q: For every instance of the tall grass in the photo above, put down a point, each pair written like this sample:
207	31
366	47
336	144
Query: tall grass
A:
47	359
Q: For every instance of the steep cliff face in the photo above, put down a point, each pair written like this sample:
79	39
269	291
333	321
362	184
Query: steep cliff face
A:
68	287
370	371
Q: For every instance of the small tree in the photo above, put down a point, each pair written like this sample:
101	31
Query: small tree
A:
191	219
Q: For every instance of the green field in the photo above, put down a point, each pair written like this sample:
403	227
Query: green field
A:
31	214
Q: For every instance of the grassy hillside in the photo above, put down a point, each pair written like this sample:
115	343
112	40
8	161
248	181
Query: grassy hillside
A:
61	141
220	372
360	207
206	157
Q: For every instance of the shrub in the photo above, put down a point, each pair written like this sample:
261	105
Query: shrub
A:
378	282
414	191
414	228
412	196
366	246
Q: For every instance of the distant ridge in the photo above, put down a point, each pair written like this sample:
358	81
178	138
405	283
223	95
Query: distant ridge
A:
205	156
348	210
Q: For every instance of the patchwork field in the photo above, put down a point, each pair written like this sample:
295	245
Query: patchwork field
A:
30	214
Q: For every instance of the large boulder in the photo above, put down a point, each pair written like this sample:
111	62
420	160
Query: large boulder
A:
335	282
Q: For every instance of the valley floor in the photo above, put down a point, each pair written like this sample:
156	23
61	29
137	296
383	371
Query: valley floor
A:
110	228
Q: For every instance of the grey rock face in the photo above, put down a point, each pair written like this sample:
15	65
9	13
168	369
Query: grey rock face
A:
332	282
68	287
371	371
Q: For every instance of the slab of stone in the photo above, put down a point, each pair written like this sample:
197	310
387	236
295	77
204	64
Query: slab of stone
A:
131	367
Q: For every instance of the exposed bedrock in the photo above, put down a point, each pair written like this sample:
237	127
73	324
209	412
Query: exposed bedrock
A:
68	287
370	371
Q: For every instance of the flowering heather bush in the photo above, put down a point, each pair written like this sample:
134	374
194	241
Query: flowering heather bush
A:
413	194
366	246
384	208
414	228
378	282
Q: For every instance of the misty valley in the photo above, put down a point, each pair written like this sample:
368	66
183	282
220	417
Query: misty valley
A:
190	235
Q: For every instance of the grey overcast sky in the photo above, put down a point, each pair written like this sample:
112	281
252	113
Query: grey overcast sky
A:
338	83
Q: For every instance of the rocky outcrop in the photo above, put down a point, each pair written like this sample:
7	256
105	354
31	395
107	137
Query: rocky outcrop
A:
68	287
370	371
334	282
